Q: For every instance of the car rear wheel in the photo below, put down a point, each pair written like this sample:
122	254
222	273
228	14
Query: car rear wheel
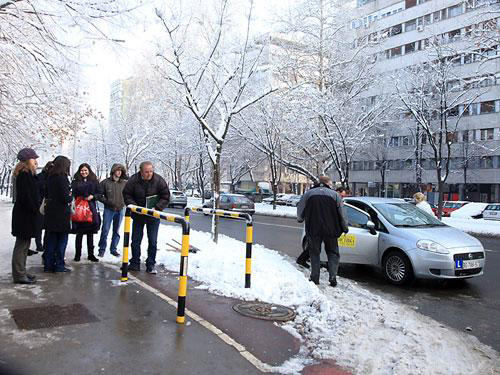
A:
397	267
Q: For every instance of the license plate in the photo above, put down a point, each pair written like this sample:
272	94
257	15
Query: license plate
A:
467	264
493	213
244	206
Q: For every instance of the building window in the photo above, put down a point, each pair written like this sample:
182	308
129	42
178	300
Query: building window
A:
396	29
486	162
396	51
452	137
486	134
394	142
409	48
410	3
436	17
405	140
455	10
488	107
411	25
452	112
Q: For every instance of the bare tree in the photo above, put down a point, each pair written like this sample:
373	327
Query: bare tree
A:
215	83
437	107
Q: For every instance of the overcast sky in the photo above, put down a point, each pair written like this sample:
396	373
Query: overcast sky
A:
104	62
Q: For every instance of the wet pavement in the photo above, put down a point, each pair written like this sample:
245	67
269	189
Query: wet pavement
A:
134	331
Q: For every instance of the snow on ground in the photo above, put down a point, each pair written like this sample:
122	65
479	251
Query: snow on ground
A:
359	329
469	210
280	211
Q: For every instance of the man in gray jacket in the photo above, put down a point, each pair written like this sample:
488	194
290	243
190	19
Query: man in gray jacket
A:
322	209
112	198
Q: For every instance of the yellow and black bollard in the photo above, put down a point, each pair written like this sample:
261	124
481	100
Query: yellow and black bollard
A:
126	242
186	213
181	299
248	262
181	302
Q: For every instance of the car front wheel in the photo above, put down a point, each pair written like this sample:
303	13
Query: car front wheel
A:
397	267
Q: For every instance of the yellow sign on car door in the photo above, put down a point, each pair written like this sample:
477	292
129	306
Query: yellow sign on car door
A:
347	240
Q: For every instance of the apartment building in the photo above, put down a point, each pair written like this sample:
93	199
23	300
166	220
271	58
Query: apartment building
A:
400	33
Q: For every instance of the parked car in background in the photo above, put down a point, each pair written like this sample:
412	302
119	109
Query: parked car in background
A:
293	200
406	242
492	212
207	194
233	202
269	200
450	206
281	201
177	198
193	193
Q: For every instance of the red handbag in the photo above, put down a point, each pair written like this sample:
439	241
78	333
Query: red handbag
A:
83	213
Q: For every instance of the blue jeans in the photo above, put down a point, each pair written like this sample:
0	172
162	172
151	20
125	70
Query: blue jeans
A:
152	226
115	217
55	251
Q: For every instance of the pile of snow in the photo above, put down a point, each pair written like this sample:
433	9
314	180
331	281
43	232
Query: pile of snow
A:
469	210
280	211
479	227
359	329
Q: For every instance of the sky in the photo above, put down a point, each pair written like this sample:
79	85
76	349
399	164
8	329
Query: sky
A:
103	62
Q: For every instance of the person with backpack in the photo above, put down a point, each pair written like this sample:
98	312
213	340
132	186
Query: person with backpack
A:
86	191
25	214
112	198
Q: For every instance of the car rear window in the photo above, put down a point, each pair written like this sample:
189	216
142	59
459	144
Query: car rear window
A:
240	199
177	193
493	207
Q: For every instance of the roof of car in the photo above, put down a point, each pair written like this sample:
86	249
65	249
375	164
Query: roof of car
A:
375	199
456	202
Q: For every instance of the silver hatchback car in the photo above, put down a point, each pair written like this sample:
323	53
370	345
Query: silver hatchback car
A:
404	242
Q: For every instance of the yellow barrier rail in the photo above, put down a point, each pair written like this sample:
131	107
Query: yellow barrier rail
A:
181	299
249	233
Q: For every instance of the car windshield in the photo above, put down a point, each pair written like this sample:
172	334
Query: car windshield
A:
406	215
237	199
452	205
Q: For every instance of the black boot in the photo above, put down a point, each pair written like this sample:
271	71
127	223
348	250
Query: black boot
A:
78	254
92	257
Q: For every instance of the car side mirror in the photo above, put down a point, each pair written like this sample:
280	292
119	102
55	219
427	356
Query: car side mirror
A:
370	225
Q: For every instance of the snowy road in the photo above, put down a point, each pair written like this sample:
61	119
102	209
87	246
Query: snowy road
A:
474	303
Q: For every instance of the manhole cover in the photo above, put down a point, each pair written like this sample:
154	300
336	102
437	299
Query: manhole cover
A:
265	311
52	316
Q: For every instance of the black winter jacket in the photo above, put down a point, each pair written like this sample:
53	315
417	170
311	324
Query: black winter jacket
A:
136	190
323	210
26	219
57	204
84	188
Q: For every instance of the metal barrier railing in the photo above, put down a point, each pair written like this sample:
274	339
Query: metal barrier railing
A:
181	299
248	237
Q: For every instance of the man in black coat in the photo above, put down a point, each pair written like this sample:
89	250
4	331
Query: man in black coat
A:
142	185
322	209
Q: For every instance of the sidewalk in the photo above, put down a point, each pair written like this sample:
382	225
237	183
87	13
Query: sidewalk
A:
111	329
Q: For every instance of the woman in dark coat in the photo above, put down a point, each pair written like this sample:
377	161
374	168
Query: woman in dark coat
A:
57	218
86	185
25	214
42	182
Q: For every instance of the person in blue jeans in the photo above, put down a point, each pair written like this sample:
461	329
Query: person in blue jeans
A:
140	186
56	220
112	198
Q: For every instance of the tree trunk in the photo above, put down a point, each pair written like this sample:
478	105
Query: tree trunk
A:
216	192
440	185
